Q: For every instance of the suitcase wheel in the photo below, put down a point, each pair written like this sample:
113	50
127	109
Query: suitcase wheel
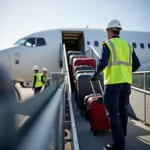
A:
95	133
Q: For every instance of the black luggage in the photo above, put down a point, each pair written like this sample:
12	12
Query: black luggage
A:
84	71
73	53
80	71
71	57
83	67
84	88
70	66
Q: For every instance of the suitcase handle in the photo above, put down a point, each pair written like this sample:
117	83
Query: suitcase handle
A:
94	89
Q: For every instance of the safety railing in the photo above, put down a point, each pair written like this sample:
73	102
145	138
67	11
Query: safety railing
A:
44	127
141	80
91	52
47	129
140	96
75	142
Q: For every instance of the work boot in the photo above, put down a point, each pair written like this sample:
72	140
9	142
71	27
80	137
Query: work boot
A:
112	147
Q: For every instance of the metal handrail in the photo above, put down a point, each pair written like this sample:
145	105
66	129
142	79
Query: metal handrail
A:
92	50
141	72
47	128
140	90
91	47
73	126
34	104
47	104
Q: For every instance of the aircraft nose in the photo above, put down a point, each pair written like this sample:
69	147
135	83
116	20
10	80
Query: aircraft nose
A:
5	59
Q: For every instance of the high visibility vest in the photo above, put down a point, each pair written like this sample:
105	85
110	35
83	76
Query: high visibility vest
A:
119	68
38	82
44	78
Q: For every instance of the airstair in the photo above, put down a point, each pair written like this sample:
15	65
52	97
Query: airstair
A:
54	119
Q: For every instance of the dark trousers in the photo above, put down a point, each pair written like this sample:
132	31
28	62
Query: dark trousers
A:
116	99
37	90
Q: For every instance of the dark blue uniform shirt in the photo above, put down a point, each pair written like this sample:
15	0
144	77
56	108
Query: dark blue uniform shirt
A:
104	57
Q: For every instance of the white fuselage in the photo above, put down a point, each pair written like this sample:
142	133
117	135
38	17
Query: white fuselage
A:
20	59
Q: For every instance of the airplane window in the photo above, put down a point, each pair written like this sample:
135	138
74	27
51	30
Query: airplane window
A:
142	45
41	42
88	43
149	45
134	45
30	42
20	42
96	43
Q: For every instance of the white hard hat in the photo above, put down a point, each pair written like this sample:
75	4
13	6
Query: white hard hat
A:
114	24
35	68
45	69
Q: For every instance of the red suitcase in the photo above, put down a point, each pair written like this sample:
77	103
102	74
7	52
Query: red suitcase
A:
75	56
97	112
83	61
86	112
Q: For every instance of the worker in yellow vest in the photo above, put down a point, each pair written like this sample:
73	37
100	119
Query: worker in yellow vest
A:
43	76
118	60
37	84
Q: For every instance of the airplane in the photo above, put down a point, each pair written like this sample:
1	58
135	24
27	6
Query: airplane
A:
44	49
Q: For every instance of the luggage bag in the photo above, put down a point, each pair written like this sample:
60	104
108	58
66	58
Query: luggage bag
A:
83	61
83	67
71	57
84	88
74	53
81	71
84	71
85	105
98	118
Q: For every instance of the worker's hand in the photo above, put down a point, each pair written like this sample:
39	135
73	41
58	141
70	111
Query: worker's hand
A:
93	78
32	89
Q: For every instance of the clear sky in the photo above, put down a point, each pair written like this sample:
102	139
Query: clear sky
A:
21	17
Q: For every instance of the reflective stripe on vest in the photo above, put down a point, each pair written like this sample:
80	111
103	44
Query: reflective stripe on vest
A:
115	62
119	68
